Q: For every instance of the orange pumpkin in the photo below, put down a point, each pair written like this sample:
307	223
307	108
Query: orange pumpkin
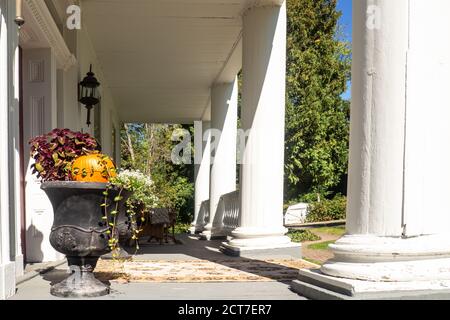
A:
93	168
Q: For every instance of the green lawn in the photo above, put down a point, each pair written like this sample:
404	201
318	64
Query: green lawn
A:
337	231
312	234
321	245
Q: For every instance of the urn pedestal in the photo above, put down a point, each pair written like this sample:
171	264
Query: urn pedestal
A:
80	233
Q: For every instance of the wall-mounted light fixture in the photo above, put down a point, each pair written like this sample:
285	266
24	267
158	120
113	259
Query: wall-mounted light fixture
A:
88	93
19	20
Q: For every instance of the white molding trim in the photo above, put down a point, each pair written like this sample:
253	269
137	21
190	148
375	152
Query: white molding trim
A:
261	3
44	19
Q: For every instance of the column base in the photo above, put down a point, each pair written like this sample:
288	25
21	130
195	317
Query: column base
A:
212	235
291	250
196	229
7	280
259	241
313	284
373	267
388	259
19	262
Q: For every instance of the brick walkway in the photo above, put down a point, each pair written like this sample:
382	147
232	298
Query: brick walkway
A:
319	255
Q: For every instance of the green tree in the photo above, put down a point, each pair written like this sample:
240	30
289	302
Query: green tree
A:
148	148
317	117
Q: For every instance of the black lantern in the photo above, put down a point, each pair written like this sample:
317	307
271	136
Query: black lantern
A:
88	93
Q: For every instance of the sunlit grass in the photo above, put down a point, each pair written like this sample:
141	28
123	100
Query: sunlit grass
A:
320	245
336	231
313	261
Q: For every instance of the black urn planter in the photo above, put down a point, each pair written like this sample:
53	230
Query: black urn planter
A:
79	232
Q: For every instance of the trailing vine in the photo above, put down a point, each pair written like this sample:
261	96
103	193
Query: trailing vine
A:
111	219
141	196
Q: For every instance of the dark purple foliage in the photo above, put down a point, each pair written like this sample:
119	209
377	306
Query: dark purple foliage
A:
55	151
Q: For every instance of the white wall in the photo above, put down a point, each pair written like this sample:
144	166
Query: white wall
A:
39	117
68	106
86	56
59	93
72	114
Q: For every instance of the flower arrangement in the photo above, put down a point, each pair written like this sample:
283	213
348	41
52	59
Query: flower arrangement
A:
64	155
55	151
141	198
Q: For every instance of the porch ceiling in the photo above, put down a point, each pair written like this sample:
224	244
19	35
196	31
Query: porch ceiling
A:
160	57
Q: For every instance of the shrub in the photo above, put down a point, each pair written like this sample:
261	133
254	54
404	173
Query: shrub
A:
55	151
327	210
182	228
302	236
311	197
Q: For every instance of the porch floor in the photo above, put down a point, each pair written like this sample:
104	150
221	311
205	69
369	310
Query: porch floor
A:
191	249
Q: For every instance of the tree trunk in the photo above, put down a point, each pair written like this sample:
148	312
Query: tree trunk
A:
130	145
150	131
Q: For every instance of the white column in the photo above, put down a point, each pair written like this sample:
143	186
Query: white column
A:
15	139
263	117
224	101
202	171
398	218
7	214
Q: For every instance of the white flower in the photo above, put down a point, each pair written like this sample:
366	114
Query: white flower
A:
139	184
127	177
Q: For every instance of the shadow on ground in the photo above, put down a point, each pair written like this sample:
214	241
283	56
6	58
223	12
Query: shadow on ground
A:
275	288
201	261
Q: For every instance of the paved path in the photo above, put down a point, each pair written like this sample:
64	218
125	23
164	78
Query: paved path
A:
38	288
319	255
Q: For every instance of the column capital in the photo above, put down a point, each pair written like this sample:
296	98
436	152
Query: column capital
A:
216	85
261	3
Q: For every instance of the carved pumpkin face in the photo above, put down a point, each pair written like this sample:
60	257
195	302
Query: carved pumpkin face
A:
93	168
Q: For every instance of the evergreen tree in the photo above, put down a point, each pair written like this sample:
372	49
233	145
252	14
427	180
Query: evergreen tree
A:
317	117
